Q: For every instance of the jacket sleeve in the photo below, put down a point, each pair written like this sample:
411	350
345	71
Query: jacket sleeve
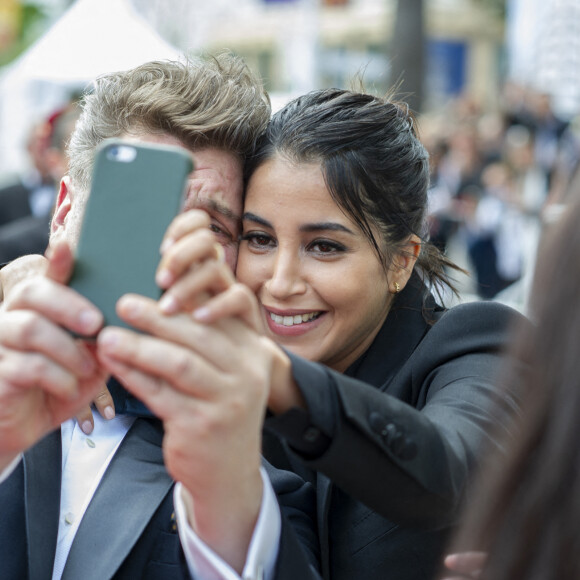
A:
298	555
406	449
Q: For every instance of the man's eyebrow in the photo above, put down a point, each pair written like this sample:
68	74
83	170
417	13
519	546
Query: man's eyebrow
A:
218	207
307	228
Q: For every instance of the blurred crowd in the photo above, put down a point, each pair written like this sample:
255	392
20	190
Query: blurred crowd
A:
496	178
26	203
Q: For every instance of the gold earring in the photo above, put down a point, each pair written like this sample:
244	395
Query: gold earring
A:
397	288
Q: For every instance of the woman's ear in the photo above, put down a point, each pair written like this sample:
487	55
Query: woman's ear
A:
404	263
62	207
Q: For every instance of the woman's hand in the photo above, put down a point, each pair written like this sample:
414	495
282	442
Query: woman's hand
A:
209	384
192	267
465	565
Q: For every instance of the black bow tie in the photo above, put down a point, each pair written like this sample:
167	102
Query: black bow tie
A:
125	402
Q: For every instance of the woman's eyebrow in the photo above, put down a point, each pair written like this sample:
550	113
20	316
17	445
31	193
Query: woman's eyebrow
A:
252	217
325	226
307	228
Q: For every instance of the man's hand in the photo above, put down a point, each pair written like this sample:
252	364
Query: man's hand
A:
20	269
209	384
46	375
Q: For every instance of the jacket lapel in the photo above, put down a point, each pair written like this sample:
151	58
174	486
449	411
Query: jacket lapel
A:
323	497
130	492
42	476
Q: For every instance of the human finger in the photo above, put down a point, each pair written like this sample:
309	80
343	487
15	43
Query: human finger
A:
26	331
469	564
18	270
187	253
208	341
183	224
237	301
104	403
33	370
105	406
197	285
85	420
179	366
152	390
60	262
58	303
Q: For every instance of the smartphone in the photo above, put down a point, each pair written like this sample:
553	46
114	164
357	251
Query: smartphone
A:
137	189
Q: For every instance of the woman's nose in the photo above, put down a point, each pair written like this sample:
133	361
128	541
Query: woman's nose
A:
287	277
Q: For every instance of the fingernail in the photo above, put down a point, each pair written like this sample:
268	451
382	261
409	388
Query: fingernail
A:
130	306
109	338
164	278
168	304
109	412
87	427
166	244
89	321
201	314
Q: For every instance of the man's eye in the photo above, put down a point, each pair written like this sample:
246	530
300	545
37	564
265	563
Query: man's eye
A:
219	231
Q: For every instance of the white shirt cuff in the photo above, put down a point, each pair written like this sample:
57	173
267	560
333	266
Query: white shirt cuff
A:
7	471
205	564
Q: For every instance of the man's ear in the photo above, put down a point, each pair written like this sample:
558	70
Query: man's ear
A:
63	206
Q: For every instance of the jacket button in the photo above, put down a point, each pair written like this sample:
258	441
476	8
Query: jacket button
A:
311	434
390	433
377	422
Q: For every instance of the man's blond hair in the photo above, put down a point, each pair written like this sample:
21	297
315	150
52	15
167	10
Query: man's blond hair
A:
204	102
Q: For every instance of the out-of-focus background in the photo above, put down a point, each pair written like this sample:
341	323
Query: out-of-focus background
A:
495	85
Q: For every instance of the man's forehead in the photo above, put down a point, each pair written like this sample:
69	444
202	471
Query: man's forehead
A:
216	183
213	205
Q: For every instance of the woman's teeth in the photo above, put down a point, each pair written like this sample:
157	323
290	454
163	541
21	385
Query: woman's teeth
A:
292	320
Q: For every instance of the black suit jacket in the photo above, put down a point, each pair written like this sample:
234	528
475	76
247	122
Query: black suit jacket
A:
14	202
128	531
27	235
390	444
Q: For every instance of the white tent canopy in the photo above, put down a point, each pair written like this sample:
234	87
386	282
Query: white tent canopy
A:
93	37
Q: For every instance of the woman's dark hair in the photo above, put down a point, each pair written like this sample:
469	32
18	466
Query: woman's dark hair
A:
373	163
525	506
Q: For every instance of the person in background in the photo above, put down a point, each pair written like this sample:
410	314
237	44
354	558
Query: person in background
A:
28	229
520	521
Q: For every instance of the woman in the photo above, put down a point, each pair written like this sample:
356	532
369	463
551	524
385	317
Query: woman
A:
390	425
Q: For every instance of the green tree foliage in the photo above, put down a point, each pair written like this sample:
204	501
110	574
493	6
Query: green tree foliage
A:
33	22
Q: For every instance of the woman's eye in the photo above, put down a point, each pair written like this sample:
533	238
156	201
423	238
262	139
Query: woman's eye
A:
258	240
326	247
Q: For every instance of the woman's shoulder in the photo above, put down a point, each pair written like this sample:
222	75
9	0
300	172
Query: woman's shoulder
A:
487	322
481	311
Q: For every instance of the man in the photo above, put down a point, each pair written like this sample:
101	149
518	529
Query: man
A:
116	516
